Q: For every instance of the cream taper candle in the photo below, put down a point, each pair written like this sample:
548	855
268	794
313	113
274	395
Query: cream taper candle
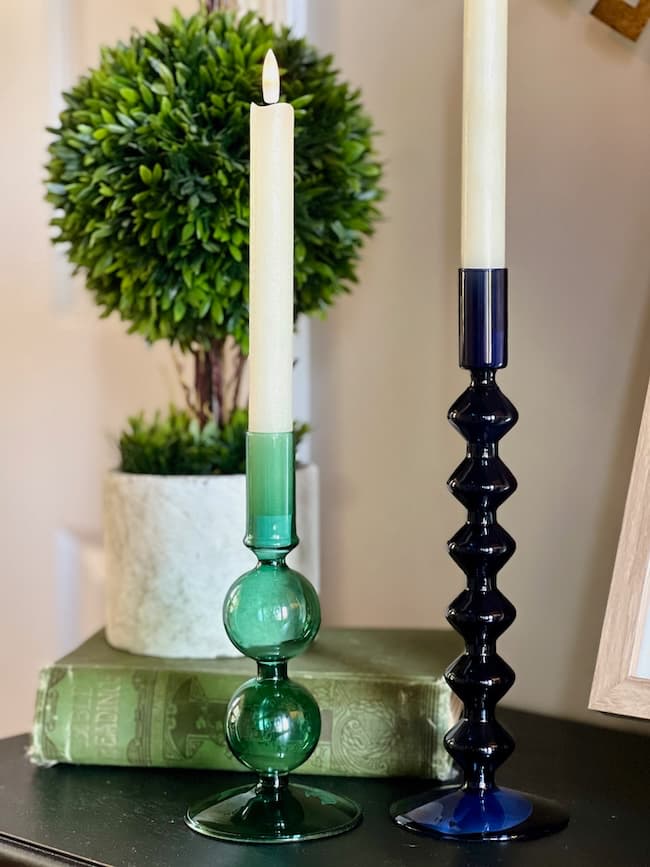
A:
271	258
483	208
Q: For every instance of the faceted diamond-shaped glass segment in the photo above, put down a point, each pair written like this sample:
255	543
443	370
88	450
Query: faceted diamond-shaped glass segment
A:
482	483
486	610
483	413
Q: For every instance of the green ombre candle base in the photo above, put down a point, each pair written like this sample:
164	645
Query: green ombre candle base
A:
272	614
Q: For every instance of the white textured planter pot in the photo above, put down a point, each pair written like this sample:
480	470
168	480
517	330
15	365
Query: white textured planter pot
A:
173	548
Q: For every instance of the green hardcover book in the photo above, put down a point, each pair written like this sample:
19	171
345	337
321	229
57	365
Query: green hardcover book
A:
384	704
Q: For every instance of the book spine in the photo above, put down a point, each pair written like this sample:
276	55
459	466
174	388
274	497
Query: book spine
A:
370	726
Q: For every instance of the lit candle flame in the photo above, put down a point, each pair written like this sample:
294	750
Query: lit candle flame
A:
270	78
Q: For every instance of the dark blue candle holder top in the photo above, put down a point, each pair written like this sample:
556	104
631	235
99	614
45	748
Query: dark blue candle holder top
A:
483	318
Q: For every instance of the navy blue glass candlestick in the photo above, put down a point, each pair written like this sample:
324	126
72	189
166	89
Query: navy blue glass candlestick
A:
479	809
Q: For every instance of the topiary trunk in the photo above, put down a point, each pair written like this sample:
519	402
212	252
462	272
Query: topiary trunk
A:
217	394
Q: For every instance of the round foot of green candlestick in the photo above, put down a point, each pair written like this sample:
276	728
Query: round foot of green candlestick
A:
261	814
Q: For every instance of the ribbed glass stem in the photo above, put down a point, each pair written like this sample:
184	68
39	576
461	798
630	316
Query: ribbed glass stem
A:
481	548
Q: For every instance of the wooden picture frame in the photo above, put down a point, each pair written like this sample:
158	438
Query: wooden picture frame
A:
617	686
627	17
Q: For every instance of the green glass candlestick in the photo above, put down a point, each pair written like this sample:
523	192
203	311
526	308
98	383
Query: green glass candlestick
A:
272	724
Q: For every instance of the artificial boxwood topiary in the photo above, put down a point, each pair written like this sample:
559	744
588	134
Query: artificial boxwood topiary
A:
148	171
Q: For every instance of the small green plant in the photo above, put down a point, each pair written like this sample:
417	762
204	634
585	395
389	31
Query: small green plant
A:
148	173
178	445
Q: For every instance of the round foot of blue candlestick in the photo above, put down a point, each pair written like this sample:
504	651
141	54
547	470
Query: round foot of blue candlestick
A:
472	815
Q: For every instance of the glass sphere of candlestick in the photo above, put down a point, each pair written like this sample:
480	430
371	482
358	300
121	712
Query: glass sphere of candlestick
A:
271	612
272	725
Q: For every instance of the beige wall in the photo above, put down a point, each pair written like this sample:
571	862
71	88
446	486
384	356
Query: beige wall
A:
67	379
384	364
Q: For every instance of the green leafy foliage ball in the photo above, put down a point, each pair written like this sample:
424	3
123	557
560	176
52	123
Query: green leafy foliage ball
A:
149	167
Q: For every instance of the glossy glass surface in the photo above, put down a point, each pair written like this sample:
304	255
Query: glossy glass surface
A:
475	816
475	812
483	317
479	809
270	494
255	814
481	613
272	614
272	725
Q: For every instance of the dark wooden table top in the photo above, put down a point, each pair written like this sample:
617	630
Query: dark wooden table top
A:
127	817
